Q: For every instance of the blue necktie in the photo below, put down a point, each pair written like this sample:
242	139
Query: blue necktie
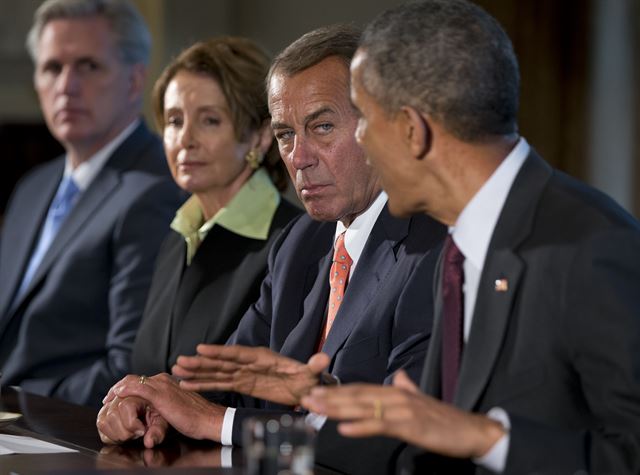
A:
62	203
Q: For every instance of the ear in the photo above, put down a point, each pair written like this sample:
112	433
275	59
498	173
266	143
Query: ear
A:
263	138
137	78
417	132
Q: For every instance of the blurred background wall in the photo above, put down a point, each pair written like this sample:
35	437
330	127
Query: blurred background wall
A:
579	61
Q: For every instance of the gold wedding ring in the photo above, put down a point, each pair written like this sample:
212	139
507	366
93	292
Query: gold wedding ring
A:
377	409
143	379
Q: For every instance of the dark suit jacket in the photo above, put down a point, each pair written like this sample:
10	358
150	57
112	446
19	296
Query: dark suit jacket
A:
71	333
378	329
203	302
559	350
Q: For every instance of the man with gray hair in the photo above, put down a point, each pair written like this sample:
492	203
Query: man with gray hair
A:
344	291
534	364
81	232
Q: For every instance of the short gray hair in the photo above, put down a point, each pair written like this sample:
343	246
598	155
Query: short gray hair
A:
339	40
131	33
446	58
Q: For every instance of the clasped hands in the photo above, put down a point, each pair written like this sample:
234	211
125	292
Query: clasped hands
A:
146	407
137	407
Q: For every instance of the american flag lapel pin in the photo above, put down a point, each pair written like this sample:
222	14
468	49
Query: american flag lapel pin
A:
501	285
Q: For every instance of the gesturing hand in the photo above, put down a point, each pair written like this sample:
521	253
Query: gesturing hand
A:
403	412
257	372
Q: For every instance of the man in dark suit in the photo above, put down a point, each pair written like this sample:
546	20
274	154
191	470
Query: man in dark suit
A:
82	232
367	331
534	365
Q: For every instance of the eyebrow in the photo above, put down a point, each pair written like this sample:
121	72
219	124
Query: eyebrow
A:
200	109
308	118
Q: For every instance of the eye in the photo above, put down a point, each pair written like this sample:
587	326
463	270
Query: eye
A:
209	120
173	121
323	128
284	135
51	67
87	66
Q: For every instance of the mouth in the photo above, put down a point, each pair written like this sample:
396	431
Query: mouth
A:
311	191
70	113
189	165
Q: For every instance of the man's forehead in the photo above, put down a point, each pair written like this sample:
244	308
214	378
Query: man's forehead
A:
302	94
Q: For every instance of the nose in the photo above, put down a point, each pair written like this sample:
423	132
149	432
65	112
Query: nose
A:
301	155
68	81
187	136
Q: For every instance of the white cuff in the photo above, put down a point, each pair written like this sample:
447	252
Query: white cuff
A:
315	420
496	458
226	461
226	437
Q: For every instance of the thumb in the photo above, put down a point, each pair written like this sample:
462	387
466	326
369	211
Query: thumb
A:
156	429
402	381
318	363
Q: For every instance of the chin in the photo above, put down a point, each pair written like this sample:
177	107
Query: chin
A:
399	209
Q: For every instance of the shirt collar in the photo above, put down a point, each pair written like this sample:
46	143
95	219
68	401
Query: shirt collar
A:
357	234
86	172
249	213
474	227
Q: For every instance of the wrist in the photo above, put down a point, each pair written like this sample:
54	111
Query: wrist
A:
212	423
490	432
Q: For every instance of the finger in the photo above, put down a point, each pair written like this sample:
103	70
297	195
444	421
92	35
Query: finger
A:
224	352
337	407
156	430
199	364
110	424
130	411
109	397
401	380
367	391
106	440
364	428
211	350
111	394
199	386
147	389
318	363
238	354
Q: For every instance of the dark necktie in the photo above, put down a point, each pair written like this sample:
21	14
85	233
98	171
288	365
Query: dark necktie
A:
452	318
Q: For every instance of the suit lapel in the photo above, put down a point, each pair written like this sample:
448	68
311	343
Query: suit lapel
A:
494	303
430	381
86	208
302	339
29	225
489	326
172	267
376	261
98	193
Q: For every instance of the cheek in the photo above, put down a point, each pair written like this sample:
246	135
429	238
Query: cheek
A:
170	150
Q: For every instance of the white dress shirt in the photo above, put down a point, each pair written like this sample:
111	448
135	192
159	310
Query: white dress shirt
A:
355	238
472	234
86	172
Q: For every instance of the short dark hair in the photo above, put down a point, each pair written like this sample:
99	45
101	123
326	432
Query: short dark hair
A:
239	66
447	58
340	40
133	39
